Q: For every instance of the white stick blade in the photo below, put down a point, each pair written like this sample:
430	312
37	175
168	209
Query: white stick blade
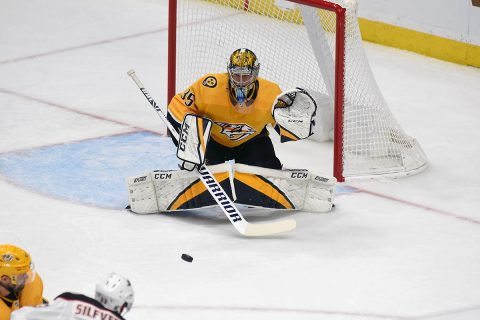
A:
265	229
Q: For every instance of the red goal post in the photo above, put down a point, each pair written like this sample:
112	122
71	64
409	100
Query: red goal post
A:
313	44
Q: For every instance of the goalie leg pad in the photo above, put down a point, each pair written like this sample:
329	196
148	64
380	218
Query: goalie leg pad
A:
320	193
169	190
141	194
161	191
305	190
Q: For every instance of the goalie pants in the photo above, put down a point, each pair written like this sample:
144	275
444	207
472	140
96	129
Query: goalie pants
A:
257	152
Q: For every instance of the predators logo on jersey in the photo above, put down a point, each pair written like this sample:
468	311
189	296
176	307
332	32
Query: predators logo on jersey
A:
210	97
236	131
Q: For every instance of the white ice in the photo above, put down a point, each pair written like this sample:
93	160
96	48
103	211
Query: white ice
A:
397	249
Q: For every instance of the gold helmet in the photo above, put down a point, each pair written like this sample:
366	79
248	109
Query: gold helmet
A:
243	68
16	264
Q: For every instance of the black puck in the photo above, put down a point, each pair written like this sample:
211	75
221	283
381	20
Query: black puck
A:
187	258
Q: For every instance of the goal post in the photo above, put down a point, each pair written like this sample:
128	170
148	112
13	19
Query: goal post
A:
312	44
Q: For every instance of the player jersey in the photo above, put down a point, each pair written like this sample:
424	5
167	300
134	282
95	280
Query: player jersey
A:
68	306
209	97
31	295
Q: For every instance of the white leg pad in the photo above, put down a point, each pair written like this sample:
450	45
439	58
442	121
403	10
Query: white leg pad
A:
141	194
161	191
320	193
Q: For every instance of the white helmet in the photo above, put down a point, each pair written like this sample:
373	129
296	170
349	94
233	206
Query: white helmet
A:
115	292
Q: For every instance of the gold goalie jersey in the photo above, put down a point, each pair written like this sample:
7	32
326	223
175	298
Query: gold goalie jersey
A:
31	295
209	97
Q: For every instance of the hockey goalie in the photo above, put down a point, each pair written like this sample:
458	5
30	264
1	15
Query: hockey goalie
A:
222	120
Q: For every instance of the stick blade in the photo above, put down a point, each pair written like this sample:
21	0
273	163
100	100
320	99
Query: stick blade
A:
265	229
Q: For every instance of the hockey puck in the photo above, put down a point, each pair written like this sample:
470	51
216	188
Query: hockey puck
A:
187	258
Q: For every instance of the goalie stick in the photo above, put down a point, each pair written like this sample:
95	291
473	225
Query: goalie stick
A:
228	207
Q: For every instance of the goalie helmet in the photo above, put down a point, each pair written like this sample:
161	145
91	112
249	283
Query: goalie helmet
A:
243	68
115	292
16	264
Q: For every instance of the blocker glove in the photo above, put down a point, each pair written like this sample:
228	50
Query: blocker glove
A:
193	140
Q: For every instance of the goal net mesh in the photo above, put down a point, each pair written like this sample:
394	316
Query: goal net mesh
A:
296	47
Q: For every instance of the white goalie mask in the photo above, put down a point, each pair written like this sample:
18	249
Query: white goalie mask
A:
243	68
115	292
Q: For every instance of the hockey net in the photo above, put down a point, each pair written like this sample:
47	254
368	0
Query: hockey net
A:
312	44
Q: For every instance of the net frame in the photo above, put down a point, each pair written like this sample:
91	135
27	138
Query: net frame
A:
339	153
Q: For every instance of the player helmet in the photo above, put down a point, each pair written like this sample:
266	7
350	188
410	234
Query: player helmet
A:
243	68
115	292
16	264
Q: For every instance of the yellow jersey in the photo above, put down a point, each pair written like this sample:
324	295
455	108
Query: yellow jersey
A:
209	97
31	295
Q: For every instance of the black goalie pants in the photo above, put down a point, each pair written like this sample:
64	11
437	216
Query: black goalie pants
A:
257	152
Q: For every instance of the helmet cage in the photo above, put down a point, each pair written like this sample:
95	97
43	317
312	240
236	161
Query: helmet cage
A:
243	68
243	76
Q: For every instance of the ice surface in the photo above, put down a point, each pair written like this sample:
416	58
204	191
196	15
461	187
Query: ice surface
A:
73	126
